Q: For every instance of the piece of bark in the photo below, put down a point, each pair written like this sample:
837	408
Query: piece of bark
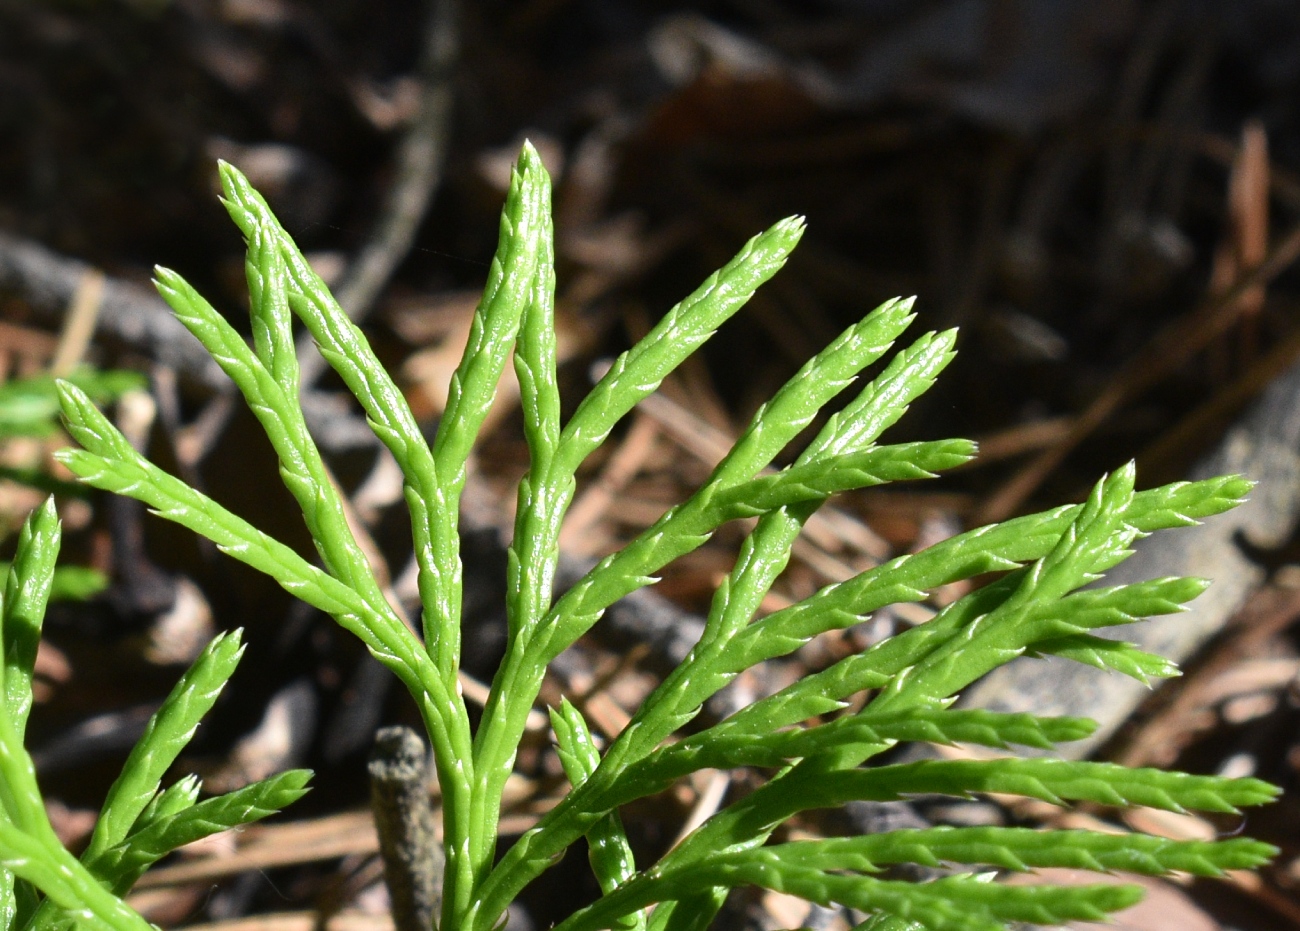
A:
399	797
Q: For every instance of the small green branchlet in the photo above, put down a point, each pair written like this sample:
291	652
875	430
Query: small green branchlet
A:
141	822
1040	604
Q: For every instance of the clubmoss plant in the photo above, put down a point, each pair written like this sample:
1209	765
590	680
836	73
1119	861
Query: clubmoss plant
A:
1040	604
140	822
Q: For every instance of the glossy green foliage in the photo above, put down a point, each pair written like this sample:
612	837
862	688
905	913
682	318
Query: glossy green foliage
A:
813	750
610	854
141	821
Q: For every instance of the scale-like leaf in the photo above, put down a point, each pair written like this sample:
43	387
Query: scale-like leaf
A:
995	548
1108	654
1114	607
168	732
824	477
177	797
1025	849
607	845
798	402
64	880
766	551
269	386
124	863
725	747
1049	780
960	903
687	326
28	586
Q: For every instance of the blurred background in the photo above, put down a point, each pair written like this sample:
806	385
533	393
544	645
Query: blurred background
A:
1103	196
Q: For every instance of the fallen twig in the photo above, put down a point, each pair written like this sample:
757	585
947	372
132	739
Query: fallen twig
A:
399	796
129	315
